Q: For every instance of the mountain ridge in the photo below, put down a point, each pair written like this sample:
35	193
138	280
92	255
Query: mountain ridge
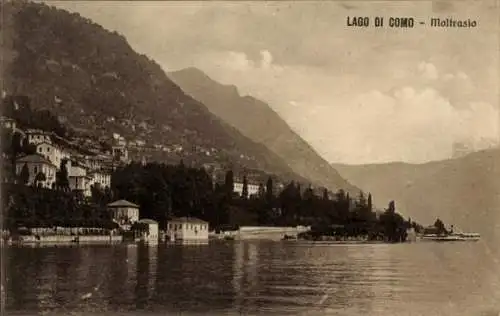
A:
464	191
103	86
249	115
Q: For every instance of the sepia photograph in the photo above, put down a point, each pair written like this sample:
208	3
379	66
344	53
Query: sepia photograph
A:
250	157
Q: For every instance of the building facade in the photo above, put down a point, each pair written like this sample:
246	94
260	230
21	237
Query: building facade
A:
8	123
187	229
78	179
54	153
101	179
124	213
36	136
151	233
37	165
253	189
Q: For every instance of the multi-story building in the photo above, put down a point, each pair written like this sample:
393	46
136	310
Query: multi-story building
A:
54	153
187	229
253	188
124	213
100	178
37	165
78	178
36	136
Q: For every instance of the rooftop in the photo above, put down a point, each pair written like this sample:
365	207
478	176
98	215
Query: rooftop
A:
37	131
188	220
123	203
35	158
148	221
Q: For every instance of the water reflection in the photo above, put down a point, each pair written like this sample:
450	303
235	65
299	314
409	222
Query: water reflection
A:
254	278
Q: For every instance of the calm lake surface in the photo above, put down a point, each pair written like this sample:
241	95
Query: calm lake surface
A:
277	278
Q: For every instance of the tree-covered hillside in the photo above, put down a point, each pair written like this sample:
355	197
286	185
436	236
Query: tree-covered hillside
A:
98	85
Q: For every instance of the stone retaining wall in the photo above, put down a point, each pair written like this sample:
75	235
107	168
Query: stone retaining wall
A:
269	233
68	239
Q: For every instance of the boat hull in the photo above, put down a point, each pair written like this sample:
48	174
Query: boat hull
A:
449	238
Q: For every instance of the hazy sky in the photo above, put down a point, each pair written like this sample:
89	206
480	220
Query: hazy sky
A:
356	95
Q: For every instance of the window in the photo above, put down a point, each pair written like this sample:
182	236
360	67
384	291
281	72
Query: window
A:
35	169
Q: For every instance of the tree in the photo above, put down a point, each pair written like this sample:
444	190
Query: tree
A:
325	194
25	174
244	192
16	147
269	191
262	191
393	225
229	182
370	206
440	227
62	180
28	148
40	177
392	207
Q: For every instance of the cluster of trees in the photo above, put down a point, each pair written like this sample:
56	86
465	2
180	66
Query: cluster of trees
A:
165	191
27	206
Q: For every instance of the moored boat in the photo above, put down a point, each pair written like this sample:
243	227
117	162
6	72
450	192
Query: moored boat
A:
452	237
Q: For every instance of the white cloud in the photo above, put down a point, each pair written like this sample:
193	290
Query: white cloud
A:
410	125
358	122
428	70
238	61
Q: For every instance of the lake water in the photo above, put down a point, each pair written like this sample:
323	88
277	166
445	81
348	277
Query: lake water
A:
253	278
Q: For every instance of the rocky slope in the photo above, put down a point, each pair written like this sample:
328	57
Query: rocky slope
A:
256	120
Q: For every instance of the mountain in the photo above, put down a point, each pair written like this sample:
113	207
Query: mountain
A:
256	120
463	191
94	81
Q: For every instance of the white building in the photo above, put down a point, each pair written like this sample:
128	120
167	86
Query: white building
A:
124	213
187	229
94	162
78	179
100	178
54	153
36	136
37	164
253	189
151	233
8	123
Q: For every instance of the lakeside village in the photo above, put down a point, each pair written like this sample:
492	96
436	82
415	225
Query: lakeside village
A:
57	189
